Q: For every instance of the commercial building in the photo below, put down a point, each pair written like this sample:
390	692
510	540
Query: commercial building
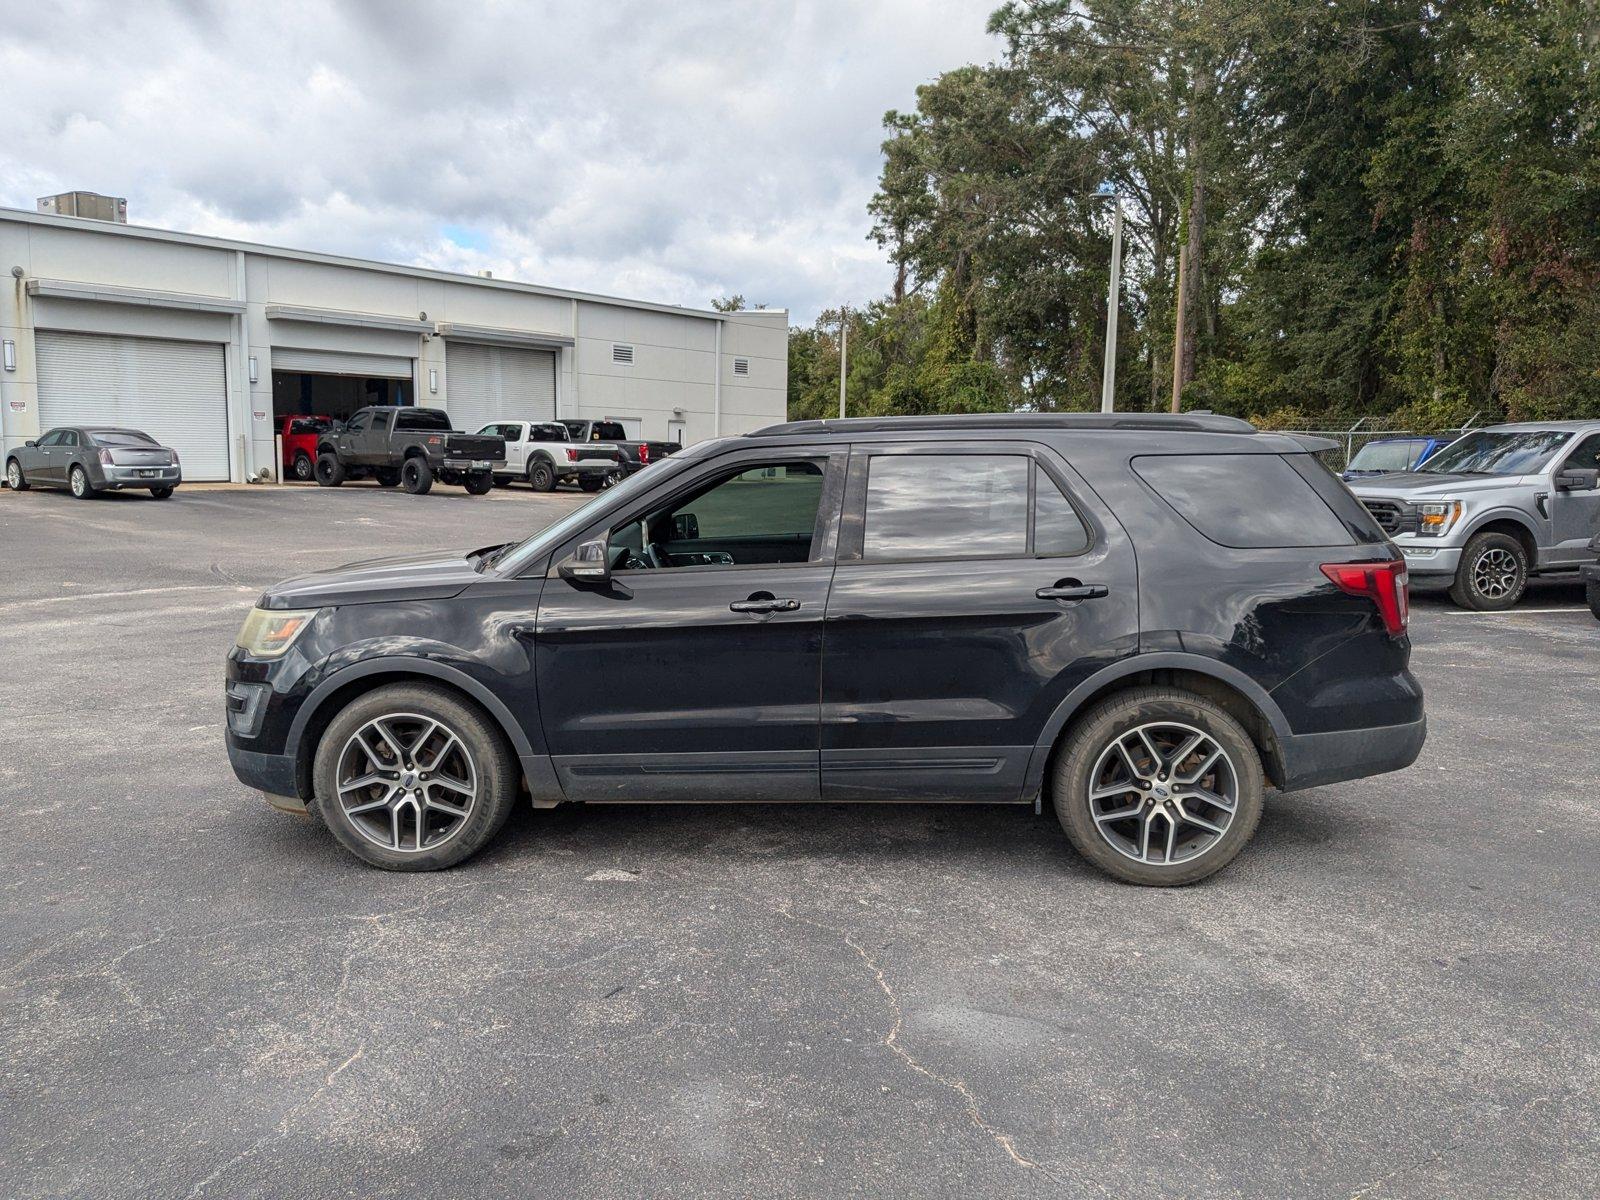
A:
204	342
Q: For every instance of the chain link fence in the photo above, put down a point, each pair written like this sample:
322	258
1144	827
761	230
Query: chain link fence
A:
1351	438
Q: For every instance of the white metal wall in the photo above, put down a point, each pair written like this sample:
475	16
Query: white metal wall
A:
174	391
498	383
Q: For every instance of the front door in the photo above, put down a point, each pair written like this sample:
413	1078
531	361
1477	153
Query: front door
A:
976	587
693	673
49	459
1575	516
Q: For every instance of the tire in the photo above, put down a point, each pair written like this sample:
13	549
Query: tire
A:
416	476
329	470
78	483
484	762
1592	593
501	481
1493	573
590	484
15	479
1088	755
478	485
304	469
160	493
541	475
386	476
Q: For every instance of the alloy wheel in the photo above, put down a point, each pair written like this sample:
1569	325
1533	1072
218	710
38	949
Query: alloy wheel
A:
1163	793
1495	573
14	475
79	482
406	782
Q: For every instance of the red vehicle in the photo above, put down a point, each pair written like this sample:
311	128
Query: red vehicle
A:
300	445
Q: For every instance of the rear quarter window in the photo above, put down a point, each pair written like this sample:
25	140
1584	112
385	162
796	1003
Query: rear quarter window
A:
1243	501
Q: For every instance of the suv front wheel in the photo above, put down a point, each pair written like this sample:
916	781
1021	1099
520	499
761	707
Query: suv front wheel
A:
1158	786
1493	573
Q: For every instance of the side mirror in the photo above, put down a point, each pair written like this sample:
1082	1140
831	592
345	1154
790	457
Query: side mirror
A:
30	445
589	563
685	527
1578	479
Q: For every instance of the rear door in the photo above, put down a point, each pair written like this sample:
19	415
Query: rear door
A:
976	586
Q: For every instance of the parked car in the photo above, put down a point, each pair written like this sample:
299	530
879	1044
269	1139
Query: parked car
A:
543	453
1494	508
299	437
631	455
1142	619
86	459
408	446
1384	455
1590	573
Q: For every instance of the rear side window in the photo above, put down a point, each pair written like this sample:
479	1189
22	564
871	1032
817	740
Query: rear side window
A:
946	506
1245	501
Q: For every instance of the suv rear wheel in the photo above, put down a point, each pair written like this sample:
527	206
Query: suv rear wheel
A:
412	778
1493	573
1158	786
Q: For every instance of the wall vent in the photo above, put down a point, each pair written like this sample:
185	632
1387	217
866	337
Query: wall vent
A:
741	366
621	353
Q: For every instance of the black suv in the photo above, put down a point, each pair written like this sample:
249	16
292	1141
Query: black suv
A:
1142	619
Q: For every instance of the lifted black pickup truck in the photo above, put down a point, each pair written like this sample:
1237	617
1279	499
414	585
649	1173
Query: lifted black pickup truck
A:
631	456
411	447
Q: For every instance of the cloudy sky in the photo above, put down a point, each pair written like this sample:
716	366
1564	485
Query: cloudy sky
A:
673	150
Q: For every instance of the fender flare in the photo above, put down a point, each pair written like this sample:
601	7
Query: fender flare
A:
1513	515
1252	691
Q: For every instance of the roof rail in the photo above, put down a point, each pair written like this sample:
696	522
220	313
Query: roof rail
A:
1189	422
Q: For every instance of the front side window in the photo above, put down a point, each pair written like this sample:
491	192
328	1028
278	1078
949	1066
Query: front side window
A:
1586	457
1487	452
358	422
947	506
762	514
53	438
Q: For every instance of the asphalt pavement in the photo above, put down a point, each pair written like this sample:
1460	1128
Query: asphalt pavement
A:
1392	993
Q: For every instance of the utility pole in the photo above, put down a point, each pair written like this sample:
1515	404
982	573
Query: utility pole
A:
1177	332
844	334
1108	383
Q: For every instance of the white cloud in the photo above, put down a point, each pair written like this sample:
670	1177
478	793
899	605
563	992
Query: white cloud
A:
667	151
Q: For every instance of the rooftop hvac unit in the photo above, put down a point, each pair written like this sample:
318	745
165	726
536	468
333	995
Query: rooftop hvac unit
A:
91	205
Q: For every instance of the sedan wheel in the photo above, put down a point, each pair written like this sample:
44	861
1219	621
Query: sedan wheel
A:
14	477
78	481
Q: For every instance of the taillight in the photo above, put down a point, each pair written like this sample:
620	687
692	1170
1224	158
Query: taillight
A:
1384	583
174	454
572	456
644	453
105	458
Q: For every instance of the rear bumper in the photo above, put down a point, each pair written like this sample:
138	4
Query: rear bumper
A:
137	477
1314	759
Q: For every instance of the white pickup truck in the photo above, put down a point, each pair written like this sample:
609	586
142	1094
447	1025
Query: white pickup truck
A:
543	453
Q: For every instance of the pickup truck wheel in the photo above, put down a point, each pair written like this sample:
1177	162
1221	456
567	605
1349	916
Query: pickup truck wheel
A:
502	481
386	476
478	485
304	469
330	471
541	476
590	484
1158	786
1593	594
416	476
412	778
1493	573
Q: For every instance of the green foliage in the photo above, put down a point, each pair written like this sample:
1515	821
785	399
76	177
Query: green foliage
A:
1396	206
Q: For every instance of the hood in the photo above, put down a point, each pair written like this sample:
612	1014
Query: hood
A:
1414	484
434	576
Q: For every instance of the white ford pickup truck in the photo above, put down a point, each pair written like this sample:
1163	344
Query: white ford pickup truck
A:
543	453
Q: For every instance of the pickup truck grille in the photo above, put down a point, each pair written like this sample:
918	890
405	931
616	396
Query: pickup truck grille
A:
1387	513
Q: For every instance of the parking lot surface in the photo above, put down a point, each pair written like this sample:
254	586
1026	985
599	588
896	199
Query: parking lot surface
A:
1391	993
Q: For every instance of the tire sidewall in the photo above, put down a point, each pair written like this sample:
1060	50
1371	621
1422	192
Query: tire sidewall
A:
78	483
1464	591
305	469
327	470
15	479
492	758
1117	715
415	476
541	476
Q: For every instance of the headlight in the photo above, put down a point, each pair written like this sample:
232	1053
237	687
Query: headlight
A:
1435	517
268	632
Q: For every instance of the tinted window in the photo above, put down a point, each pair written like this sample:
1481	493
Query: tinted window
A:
510	432
946	506
763	514
1057	527
422	418
1491	453
121	437
309	425
358	422
549	433
1587	456
53	438
1249	501
607	431
69	437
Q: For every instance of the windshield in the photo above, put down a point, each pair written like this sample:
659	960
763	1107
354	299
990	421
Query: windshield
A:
1488	452
1385	456
517	555
121	437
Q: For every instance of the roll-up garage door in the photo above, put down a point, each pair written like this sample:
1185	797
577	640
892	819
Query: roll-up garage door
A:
175	391
498	383
336	362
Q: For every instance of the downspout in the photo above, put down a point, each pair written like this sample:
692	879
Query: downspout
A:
716	387
242	370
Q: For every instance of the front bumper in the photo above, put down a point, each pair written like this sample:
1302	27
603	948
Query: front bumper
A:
273	774
1424	559
116	478
1315	759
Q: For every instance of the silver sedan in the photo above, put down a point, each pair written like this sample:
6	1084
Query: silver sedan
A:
86	459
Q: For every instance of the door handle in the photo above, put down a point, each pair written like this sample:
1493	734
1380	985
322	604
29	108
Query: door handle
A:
1071	589
764	604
